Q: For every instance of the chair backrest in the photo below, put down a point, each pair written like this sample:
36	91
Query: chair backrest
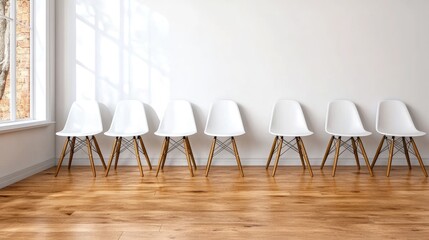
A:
129	118
84	118
393	117
343	118
178	120
224	119
288	119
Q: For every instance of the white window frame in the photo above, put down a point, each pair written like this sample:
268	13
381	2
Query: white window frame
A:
41	67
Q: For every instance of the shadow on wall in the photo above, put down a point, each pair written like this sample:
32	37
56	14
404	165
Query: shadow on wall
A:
121	53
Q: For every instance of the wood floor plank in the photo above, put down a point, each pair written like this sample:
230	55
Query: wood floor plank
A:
106	235
225	205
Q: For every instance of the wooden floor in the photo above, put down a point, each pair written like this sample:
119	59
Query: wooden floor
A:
175	206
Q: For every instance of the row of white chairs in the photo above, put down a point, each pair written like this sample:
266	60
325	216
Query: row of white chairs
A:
287	124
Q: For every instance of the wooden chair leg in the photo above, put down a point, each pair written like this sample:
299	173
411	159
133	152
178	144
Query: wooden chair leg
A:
99	152
407	155
237	157
328	149
73	141
416	151
165	154
91	160
279	153
118	152
365	157
355	153
191	153
145	152
136	149
389	163
377	153
337	155
112	154
209	161
63	153
304	154
270	156
161	157
298	144
188	156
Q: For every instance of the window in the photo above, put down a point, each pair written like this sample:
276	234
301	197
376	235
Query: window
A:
27	65
16	84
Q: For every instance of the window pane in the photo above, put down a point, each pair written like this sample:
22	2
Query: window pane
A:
4	62
23	56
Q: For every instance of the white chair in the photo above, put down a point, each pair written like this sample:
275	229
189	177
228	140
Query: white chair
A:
224	120
287	120
394	120
178	121
83	123
343	120
129	121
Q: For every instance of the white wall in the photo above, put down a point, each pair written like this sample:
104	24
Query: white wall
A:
252	51
26	152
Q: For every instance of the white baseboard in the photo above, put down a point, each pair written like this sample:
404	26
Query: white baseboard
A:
245	161
25	173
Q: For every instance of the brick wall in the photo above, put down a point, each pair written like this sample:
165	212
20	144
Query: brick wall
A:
22	66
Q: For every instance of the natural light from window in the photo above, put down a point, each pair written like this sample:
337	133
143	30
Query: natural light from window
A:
121	52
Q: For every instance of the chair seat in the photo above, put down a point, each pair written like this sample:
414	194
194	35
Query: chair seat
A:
174	134
84	119
394	119
224	120
292	134
178	120
77	134
224	134
350	134
403	134
342	119
129	120
121	134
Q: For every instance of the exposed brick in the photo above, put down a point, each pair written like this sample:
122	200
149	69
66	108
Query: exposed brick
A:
22	64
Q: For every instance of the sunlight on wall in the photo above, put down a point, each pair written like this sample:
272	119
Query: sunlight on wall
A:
121	53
